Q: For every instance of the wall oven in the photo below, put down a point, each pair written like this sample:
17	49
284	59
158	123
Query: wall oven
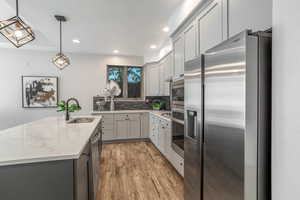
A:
178	116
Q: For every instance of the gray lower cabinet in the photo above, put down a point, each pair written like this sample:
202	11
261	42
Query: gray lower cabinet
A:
108	132
134	126
161	137
153	129
127	126
145	125
119	126
81	177
36	181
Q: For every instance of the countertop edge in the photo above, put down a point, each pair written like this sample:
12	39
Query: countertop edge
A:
154	112
76	155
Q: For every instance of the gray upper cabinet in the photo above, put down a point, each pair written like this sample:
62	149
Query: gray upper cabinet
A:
168	73
212	25
190	42
254	14
178	46
162	68
157	75
165	74
153	80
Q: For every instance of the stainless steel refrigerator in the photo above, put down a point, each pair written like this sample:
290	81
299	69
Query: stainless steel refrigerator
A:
228	120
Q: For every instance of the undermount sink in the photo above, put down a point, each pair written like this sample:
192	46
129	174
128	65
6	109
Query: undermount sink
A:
168	115
81	120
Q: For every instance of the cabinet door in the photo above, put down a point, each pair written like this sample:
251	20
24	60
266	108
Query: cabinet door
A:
81	176
153	80
134	126
212	25
151	128
145	125
168	141
160	137
255	15
190	42
154	130
168	65
178	56
121	126
108	134
94	167
162	68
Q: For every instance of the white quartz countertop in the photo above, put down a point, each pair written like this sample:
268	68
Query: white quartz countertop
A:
48	139
157	113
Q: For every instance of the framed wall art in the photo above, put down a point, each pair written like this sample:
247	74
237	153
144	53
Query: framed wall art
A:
39	91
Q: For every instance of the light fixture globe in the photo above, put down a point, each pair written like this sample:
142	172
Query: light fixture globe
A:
16	30
61	61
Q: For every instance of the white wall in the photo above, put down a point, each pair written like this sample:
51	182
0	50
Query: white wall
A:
85	78
286	99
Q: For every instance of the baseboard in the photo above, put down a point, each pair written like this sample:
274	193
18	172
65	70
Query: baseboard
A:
127	140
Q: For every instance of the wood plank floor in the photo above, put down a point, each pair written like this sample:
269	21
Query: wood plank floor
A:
137	171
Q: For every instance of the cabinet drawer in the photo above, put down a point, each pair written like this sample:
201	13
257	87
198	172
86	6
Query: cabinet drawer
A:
107	126
178	162
108	135
127	116
107	118
134	116
121	116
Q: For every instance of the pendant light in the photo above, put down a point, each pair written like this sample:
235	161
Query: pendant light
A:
16	30
60	60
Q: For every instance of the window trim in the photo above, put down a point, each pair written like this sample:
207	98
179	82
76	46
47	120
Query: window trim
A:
125	83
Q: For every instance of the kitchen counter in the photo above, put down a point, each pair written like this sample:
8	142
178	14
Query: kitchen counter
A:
49	139
157	113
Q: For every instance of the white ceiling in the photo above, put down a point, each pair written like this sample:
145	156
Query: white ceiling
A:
130	26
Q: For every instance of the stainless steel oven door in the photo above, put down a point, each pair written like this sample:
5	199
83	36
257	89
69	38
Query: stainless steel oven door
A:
178	131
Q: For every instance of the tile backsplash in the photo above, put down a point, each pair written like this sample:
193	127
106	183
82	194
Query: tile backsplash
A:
130	105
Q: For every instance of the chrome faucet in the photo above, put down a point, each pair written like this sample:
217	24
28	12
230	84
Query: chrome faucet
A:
67	107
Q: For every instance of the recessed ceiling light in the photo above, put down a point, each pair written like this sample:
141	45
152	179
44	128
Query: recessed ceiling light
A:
153	46
166	29
76	41
116	51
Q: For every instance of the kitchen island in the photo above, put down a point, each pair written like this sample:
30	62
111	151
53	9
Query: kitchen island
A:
50	159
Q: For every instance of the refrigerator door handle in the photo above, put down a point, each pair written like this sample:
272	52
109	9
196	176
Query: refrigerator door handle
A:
192	124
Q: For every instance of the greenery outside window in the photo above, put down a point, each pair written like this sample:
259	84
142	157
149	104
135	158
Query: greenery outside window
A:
130	80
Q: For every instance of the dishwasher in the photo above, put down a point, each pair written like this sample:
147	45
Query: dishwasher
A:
95	145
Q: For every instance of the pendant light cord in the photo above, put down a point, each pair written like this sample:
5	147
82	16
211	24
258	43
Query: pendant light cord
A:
17	9
60	36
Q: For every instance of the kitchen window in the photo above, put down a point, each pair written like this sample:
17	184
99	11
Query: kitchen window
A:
130	80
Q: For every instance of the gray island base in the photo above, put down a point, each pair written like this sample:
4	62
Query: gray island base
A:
69	177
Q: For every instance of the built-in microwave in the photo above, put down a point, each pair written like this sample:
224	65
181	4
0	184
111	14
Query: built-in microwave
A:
177	92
